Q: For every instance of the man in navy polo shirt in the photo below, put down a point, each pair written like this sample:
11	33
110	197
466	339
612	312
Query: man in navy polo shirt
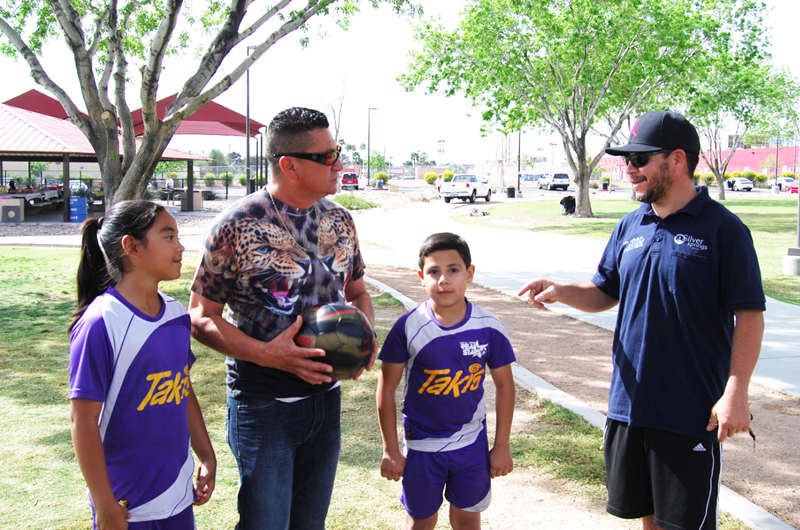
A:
685	275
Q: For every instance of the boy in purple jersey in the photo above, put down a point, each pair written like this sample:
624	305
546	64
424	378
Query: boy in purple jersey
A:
443	347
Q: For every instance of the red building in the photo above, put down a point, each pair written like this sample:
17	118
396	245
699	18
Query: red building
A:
759	160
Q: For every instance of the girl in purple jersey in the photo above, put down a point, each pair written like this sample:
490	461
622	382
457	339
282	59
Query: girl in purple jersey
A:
133	412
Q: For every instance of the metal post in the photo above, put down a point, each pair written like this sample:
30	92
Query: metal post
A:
250	183
263	160
189	186
369	117
65	188
519	162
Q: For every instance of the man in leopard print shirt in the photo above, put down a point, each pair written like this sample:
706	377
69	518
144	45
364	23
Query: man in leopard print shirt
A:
268	258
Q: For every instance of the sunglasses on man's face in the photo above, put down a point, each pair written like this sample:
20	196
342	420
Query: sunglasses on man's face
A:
641	159
327	159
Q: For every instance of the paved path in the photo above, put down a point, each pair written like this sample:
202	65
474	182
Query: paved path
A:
507	259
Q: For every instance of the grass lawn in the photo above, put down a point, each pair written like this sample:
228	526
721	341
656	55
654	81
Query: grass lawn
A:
42	487
772	221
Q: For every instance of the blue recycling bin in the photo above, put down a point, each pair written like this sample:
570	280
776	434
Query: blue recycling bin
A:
77	209
380	184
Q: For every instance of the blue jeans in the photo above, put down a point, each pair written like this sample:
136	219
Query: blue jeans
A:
287	455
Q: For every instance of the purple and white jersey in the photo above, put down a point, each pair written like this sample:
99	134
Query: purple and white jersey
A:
138	367
443	399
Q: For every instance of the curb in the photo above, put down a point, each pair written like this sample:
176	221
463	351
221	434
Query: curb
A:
754	516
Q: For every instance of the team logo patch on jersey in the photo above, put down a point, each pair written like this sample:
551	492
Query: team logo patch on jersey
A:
474	349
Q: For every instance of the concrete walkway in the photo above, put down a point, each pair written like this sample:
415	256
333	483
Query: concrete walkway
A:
507	259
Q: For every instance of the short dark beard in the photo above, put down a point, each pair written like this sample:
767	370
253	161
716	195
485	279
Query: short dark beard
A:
657	189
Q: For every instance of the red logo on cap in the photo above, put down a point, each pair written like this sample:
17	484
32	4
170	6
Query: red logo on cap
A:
633	130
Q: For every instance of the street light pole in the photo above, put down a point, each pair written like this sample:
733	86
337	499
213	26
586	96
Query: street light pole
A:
250	183
552	155
519	162
369	117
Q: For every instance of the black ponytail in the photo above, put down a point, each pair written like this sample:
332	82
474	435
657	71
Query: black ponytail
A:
102	264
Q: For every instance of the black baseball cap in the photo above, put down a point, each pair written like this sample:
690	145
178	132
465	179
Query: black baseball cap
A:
657	131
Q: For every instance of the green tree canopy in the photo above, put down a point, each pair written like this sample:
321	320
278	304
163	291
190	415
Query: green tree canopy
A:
112	41
577	67
377	162
218	158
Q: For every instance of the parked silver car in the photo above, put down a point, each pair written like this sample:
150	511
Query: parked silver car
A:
554	181
739	184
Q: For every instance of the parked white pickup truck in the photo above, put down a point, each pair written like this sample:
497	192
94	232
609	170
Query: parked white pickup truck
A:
466	187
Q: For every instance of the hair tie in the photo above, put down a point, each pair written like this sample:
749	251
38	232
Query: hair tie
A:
100	243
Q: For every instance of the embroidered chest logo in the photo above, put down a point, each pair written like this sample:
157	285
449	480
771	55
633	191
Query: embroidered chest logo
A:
474	349
636	242
441	382
164	388
691	242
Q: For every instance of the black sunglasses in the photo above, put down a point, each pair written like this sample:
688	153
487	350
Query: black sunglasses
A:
328	158
641	159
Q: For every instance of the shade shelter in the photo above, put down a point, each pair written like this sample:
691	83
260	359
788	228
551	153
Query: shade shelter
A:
40	103
210	119
27	136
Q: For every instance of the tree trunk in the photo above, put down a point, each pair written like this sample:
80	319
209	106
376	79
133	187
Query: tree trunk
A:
134	183
721	184
583	206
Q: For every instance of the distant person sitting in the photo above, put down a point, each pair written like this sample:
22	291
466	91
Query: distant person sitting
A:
12	187
169	184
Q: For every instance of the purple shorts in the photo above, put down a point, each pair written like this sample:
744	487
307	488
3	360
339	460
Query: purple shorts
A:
182	521
463	474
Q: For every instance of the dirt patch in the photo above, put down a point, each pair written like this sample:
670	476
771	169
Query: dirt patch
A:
575	357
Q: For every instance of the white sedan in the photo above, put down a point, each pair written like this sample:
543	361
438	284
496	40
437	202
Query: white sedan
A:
739	184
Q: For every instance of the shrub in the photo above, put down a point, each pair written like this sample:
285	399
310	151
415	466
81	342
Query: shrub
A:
209	179
696	178
379	176
709	179
594	185
351	202
738	175
448	175
727	176
226	178
605	178
760	179
430	178
788	174
242	180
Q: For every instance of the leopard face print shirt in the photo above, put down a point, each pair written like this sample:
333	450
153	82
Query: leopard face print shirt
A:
251	264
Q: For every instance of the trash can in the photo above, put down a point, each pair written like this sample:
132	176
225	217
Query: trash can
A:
77	209
197	202
511	192
379	183
605	184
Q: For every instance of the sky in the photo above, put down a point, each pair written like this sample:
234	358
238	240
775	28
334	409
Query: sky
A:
362	64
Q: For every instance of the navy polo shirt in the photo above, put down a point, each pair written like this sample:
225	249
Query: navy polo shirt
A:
678	281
